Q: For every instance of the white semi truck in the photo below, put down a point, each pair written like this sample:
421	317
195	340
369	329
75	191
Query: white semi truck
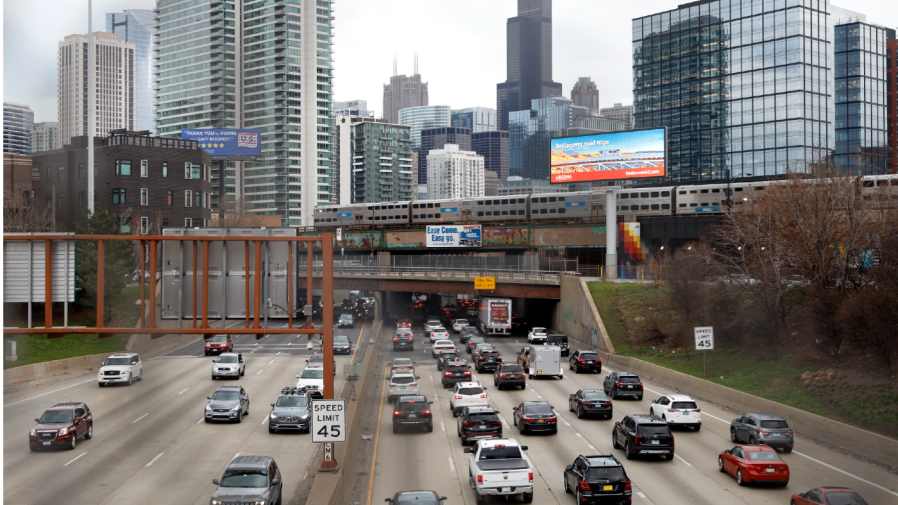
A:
495	316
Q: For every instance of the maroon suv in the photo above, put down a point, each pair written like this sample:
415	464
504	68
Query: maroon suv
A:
61	426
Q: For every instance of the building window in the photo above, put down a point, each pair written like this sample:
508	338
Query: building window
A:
192	171
60	201
165	170
82	199
82	172
171	197
118	196
144	225
144	168
122	167
187	222
188	198
49	174
144	196
197	199
164	222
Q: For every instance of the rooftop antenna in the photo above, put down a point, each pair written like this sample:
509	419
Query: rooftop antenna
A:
416	62
394	65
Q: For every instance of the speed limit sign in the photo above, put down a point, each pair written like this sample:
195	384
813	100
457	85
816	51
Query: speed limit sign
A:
704	338
328	421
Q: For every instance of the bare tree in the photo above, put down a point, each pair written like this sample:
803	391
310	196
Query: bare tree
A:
234	212
25	215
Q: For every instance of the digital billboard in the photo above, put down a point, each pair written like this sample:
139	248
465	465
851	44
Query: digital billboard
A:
634	154
227	144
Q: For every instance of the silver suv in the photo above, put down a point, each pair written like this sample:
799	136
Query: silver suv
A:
763	429
291	411
121	368
249	479
228	364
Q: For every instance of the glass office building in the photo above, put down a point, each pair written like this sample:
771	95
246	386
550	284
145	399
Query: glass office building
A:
18	121
137	27
530	132
478	119
744	87
860	98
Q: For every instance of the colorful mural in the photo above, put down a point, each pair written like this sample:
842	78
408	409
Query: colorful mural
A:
630	245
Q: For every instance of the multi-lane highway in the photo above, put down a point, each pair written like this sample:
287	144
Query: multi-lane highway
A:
150	444
436	461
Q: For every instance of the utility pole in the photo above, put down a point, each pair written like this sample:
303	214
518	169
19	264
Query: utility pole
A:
91	108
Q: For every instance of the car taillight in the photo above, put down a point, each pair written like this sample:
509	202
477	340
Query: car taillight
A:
789	432
427	412
580	360
628	485
531	476
468	373
457	397
483	395
551	419
395	368
607	404
395	339
413	384
584	486
636	440
617	384
673	410
480	479
448	373
697	410
588	404
467	424
671	439
528	420
397	413
640	384
496	423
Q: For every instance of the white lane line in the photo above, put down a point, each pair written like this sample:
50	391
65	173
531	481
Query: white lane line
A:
567	423
641	495
139	418
277	354
451	465
182	392
431	378
201	420
260	371
256	344
49	392
652	390
263	421
592	447
288	343
715	417
683	460
75	459
443	427
505	423
154	459
579	435
539	396
270	362
846	473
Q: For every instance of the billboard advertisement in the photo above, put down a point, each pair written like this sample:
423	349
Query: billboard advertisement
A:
227	144
454	236
635	154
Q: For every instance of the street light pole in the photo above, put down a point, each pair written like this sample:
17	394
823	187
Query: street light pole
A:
91	108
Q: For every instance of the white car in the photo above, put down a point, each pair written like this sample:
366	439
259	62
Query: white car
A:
441	346
439	333
467	394
228	364
312	379
402	384
538	335
677	409
120	368
458	324
402	365
431	324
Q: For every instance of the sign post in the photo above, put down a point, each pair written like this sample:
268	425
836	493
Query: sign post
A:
704	341
329	427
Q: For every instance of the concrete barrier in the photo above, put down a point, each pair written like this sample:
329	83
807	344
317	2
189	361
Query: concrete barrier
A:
577	317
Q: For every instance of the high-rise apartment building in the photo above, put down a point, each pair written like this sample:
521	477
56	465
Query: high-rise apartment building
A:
860	74
138	27
529	134
45	137
114	71
892	101
585	93
529	60
437	138
478	119
496	151
454	173
375	160
18	121
353	108
242	64
517	185
404	92
491	183
619	112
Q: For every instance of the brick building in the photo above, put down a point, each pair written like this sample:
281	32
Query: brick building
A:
17	176
148	181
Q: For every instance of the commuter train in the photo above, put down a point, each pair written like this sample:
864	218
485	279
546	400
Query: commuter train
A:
573	207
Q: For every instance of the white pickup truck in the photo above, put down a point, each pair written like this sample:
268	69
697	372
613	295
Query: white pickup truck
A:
498	467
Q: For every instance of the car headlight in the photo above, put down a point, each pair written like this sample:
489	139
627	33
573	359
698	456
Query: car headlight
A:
64	431
215	502
304	416
33	433
273	416
263	502
208	407
236	408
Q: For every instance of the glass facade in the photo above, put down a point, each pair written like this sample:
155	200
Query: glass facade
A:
496	152
18	121
529	134
137	27
744	87
381	162
437	138
860	73
478	119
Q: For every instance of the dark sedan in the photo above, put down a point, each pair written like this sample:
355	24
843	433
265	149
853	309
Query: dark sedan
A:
473	341
588	402
478	422
535	416
403	341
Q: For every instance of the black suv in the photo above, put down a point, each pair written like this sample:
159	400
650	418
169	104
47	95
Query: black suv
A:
249	479
455	371
598	479
472	341
446	357
487	361
475	423
466	333
291	411
535	416
560	340
643	434
509	374
623	384
412	411
590	401
403	340
585	361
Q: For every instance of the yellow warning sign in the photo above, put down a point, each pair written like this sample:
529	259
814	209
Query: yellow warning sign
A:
484	283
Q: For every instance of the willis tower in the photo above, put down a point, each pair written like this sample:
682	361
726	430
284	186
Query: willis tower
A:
529	60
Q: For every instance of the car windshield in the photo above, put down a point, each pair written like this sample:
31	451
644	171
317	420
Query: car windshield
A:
512	369
844	498
317	359
628	379
482	418
461	322
500	453
651	430
589	355
417	500
470	391
402	379
684	405
594	395
291	401
243	478
341	339
227	359
605	473
312	373
117	361
475	340
774	425
218	338
225	395
444	343
57	416
539	410
345	316
446	356
763	456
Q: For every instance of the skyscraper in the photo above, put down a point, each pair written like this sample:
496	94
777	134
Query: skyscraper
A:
454	173
420	118
529	60
478	119
248	73
586	94
45	137
138	27
114	69
18	121
619	112
374	159
494	148
403	92
892	101
529	135
437	138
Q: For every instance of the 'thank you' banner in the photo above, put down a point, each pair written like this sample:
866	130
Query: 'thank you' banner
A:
454	236
227	144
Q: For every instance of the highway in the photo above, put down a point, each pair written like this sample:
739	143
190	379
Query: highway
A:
436	461
150	443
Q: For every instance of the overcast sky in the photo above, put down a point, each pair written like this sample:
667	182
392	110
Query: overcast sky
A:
460	43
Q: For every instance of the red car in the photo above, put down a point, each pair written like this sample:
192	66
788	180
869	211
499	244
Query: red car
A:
754	464
219	344
61	426
404	323
829	495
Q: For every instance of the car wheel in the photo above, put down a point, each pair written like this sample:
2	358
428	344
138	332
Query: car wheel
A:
528	497
580	412
669	456
787	450
479	499
579	498
628	451
247	409
34	449
130	379
739	479
207	353
272	430
240	416
524	386
567	489
214	378
639	398
429	429
140	377
74	441
243	372
395	429
751	440
720	465
664	417
733	437
90	432
207	420
101	384
784	484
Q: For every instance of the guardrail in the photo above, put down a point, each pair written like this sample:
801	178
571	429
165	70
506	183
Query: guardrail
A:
447	273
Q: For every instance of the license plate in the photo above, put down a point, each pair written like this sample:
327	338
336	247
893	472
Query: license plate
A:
589	362
46	443
482	426
539	372
629	387
403	388
685	413
412	416
655	442
540	420
770	470
506	489
776	434
606	488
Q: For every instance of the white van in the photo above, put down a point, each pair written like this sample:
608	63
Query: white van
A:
544	361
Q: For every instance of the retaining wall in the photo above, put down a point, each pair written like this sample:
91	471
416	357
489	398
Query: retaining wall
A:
577	317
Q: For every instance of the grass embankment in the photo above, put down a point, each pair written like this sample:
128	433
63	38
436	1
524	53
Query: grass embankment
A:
38	348
854	399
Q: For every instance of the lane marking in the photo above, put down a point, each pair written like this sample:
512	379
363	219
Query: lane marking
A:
566	423
592	447
451	465
505	423
683	460
75	459
288	343
201	420
272	361
263	421
154	459
182	392
377	438
275	355
50	392
652	390
641	495
139	418
431	378
260	371
579	435
443	427
714	417
846	473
